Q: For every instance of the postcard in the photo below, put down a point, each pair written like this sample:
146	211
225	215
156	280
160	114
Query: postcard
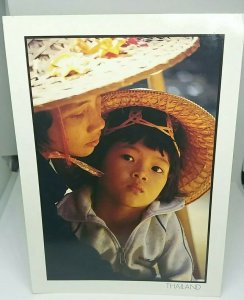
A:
125	133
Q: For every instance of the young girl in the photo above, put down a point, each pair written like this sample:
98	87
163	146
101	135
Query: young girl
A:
128	215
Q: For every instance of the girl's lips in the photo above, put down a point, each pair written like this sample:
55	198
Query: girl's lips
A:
136	188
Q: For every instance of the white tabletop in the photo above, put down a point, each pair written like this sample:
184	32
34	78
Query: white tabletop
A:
14	270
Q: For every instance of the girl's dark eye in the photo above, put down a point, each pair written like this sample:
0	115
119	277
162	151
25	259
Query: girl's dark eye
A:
127	157
157	169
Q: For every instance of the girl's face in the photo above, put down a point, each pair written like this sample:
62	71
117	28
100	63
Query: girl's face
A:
134	174
82	125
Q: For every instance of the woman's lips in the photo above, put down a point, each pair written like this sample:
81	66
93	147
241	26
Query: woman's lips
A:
95	140
93	143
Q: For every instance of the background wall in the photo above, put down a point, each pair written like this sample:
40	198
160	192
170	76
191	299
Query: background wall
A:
35	7
7	136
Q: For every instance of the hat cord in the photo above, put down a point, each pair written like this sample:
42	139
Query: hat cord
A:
72	160
63	137
135	117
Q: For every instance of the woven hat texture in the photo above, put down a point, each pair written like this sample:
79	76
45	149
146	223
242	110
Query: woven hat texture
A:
88	74
198	124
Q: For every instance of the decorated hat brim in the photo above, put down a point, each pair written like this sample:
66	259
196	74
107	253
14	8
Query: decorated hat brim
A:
105	75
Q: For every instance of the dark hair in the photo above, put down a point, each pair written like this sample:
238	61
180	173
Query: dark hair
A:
42	121
151	137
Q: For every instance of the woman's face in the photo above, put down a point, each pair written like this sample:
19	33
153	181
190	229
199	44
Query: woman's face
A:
82	124
134	175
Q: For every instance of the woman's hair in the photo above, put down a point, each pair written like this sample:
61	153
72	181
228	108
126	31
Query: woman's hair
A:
151	137
42	121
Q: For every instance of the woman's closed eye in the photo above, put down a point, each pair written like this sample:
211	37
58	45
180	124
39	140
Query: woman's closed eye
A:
77	115
157	169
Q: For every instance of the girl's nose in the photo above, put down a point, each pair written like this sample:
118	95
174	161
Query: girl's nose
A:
141	175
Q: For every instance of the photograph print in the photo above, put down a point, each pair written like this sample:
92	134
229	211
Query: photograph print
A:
125	144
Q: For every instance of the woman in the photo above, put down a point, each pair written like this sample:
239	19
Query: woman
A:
62	132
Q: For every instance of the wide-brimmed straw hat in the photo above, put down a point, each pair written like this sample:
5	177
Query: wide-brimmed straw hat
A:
198	125
69	70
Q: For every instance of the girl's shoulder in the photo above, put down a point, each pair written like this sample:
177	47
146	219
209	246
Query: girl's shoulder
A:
162	208
76	205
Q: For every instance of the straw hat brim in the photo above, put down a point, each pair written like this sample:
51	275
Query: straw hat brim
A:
105	74
198	124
